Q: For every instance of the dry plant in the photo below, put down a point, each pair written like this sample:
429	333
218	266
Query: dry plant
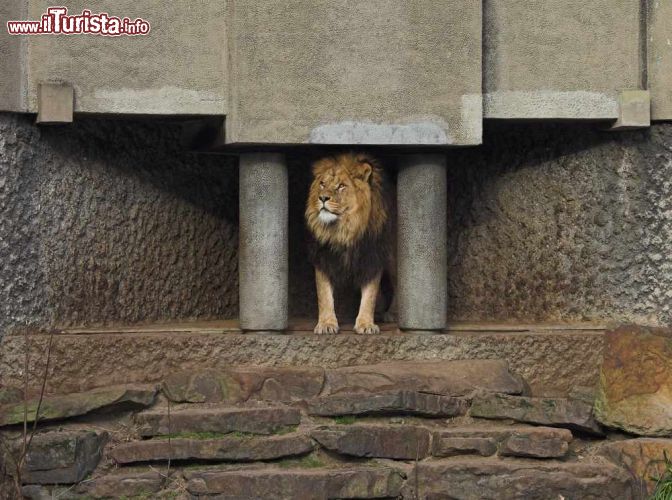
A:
14	458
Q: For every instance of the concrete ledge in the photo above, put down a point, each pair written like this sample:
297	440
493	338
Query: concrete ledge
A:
552	362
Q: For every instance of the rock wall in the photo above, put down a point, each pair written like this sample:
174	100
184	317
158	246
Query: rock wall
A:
552	222
112	222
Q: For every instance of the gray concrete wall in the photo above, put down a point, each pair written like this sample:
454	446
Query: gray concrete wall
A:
563	59
12	65
179	68
375	72
111	222
660	58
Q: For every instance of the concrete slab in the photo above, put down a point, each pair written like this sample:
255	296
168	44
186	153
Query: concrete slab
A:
559	59
178	68
660	58
376	72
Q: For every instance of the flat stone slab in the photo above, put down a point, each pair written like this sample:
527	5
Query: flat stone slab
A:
643	457
118	398
393	402
253	420
123	484
446	378
554	412
528	442
493	478
315	484
635	392
244	383
63	457
234	449
401	442
88	360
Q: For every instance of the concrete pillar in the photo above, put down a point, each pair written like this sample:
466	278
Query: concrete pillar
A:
422	255
263	249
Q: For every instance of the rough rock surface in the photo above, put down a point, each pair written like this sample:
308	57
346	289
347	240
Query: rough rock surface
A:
113	221
635	392
393	402
268	420
469	479
551	363
520	441
123	484
63	457
644	458
451	446
236	384
319	484
71	405
401	442
234	448
448	378
554	412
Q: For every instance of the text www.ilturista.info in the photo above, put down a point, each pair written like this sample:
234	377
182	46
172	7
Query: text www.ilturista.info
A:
56	21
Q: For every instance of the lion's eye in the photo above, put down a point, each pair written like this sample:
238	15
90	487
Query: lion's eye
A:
321	185
341	187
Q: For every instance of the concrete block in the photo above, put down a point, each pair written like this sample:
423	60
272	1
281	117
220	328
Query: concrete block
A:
634	110
559	60
263	252
55	103
659	52
422	255
374	72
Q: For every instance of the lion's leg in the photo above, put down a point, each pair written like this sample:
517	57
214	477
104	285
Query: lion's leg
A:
364	323
326	322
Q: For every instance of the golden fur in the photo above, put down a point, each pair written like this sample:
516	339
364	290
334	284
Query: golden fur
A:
354	185
347	215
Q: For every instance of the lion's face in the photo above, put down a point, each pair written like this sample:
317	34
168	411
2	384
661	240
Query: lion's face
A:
340	201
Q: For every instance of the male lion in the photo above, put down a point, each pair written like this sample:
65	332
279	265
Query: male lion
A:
348	216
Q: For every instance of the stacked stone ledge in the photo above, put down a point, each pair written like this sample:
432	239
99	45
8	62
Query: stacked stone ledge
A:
392	430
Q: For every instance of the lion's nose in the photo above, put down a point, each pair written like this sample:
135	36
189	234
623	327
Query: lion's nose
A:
324	198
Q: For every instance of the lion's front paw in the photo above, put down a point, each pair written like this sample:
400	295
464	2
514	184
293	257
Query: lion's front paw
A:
366	328
327	327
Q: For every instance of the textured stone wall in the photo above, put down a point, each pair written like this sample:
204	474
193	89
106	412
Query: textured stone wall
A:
556	222
110	221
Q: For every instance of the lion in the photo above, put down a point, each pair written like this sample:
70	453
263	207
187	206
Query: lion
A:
348	214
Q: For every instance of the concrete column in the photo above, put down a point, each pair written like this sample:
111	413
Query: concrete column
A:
263	249
422	255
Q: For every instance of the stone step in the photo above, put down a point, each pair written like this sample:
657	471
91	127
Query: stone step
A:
393	402
227	448
555	412
446	378
527	442
266	420
119	398
491	478
314	484
86	360
401	442
412	442
125	484
243	383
